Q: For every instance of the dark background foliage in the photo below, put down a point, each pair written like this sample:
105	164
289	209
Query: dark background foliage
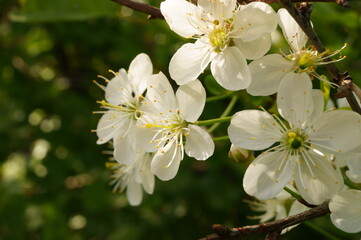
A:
54	183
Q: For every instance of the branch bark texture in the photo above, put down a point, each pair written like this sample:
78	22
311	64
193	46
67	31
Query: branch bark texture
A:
154	12
272	229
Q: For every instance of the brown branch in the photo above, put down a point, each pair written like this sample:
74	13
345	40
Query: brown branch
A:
272	229
343	3
153	12
342	79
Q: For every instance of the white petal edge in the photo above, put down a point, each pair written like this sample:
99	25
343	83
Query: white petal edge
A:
189	62
254	130
160	95
166	162
253	20
191	99
230	69
293	33
134	193
262	178
345	210
124	148
338	130
182	17
267	73
199	143
218	10
140	69
112	124
294	98
256	48
316	182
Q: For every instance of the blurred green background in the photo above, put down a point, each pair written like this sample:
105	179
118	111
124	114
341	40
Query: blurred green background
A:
53	179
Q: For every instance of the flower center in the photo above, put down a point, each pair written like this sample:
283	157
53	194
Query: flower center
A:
130	108
294	139
305	61
219	39
308	58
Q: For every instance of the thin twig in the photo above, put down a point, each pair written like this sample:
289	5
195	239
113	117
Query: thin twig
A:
223	232
153	12
342	79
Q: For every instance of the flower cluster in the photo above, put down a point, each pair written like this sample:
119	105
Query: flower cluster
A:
304	148
150	126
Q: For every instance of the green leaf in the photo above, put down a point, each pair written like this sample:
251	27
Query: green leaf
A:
64	10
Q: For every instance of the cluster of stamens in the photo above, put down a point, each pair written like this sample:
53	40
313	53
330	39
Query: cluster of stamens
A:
294	139
307	60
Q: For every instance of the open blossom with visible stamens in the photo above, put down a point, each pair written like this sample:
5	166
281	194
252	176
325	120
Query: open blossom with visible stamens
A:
299	146
226	35
267	72
166	125
345	210
134	177
123	95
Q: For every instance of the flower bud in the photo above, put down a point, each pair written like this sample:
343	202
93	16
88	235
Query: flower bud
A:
239	154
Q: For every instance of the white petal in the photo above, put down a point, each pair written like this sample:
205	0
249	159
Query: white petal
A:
318	103
316	179
294	98
267	175
124	148
112	124
182	17
118	89
191	100
255	48
254	130
267	73
345	210
189	62
140	69
218	10
338	130
253	20
291	30
354	166
144	137
134	192
166	162
230	69
199	143
160	95
147	177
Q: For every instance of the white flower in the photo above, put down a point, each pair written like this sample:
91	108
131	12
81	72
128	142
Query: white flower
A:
166	125
301	145
226	35
345	210
267	72
134	177
123	95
